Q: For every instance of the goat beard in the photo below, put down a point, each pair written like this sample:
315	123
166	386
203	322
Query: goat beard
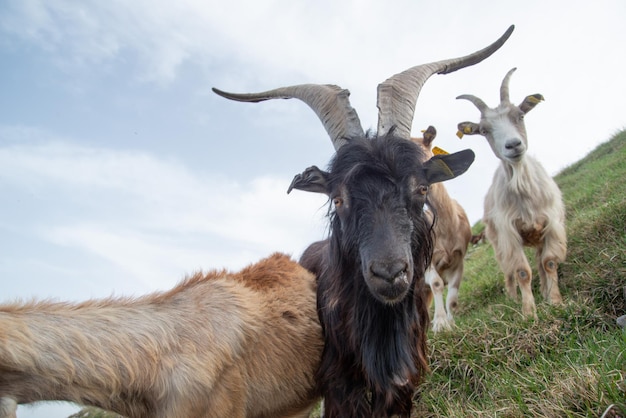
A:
386	342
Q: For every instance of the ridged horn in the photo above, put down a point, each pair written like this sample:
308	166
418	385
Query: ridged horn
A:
397	95
504	88
329	102
476	101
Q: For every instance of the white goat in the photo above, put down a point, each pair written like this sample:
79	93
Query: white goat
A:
523	206
452	235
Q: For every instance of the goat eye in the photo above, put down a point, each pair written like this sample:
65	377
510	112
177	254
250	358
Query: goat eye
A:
415	188
483	131
419	189
338	202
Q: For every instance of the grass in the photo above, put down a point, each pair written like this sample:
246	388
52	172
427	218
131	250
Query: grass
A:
571	362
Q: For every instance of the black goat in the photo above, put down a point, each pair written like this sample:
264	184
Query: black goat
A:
371	269
375	335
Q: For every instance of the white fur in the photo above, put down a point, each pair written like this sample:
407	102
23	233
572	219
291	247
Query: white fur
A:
523	206
8	407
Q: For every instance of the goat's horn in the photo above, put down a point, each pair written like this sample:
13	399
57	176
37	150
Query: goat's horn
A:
329	102
504	88
397	95
477	102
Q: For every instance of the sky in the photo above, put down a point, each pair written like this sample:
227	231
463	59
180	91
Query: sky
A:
121	172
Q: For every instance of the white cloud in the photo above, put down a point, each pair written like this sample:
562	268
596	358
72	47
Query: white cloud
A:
322	41
152	218
256	45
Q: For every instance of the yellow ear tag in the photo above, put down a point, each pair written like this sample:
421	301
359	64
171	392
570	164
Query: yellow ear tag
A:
459	134
439	151
534	99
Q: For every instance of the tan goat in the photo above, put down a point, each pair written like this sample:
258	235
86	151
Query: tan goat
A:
220	344
452	235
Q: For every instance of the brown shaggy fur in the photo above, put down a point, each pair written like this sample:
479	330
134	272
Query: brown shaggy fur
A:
452	235
220	344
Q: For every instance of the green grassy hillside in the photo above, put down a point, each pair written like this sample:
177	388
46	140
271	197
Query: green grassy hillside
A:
571	362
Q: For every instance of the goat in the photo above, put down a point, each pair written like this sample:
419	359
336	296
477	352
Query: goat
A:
523	206
452	235
220	344
370	270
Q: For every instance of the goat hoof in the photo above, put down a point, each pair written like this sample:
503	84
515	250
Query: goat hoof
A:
556	299
441	324
530	312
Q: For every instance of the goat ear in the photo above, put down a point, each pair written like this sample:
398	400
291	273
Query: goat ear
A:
467	128
310	180
429	136
446	167
530	102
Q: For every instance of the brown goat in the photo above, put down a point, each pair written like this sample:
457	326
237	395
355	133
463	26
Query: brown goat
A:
452	235
220	344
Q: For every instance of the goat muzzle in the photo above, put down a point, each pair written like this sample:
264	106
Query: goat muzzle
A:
389	282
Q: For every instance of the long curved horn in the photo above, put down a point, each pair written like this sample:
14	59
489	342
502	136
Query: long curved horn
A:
397	95
477	102
329	102
504	88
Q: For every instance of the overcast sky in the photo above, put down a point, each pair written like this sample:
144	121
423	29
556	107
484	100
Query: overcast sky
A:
121	172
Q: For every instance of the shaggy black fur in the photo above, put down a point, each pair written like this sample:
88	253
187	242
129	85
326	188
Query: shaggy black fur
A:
375	351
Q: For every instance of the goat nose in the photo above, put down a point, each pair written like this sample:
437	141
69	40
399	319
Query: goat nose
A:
388	270
512	143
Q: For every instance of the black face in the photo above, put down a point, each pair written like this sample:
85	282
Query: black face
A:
378	189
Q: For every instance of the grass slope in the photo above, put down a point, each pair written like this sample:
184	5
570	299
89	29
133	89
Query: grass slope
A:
571	362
